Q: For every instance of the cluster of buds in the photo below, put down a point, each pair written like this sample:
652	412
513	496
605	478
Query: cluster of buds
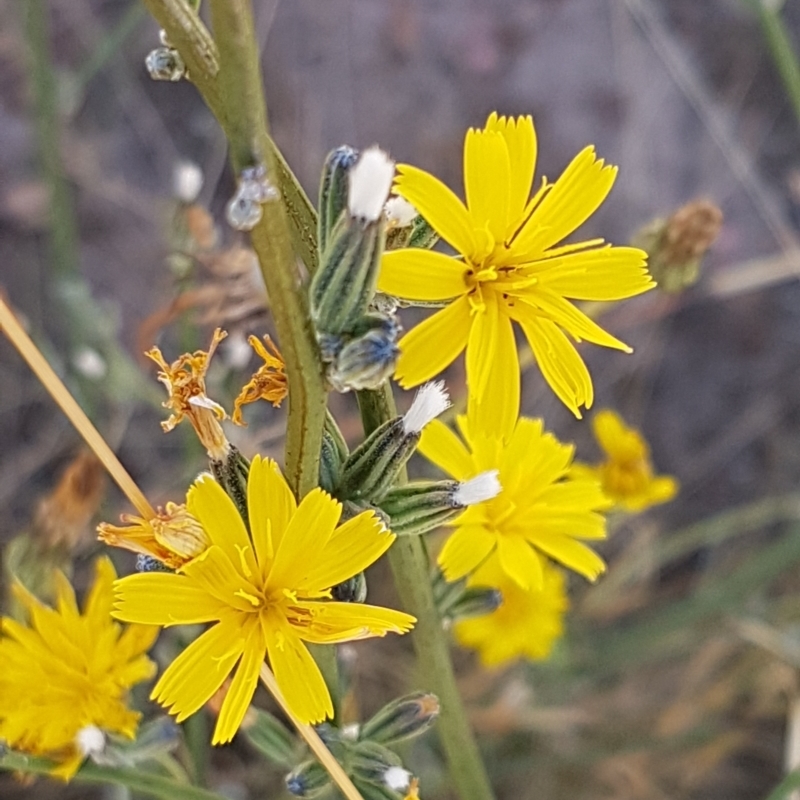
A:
365	478
364	751
357	342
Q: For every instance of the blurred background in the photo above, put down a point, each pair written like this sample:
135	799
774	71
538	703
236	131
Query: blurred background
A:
678	676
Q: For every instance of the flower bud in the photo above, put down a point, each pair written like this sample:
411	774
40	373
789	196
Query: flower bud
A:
153	740
308	780
231	474
353	590
272	738
333	190
401	719
165	64
405	227
424	505
370	760
367	359
475	601
344	283
333	454
371	468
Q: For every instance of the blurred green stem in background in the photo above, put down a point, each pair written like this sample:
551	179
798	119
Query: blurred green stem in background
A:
780	47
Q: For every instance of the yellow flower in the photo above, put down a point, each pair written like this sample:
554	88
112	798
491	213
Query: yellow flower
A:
527	623
268	592
627	472
267	383
173	536
509	268
542	511
65	676
185	382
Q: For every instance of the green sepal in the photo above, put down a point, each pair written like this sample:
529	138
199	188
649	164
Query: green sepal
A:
273	739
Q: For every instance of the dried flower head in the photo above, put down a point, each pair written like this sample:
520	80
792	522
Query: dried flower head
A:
174	536
267	383
185	383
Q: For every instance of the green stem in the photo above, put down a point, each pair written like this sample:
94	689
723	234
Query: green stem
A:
199	52
408	559
136	779
781	49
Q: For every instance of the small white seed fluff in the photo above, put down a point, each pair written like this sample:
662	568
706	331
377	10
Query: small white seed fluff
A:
397	778
90	363
399	212
90	740
369	182
187	181
350	732
431	400
478	489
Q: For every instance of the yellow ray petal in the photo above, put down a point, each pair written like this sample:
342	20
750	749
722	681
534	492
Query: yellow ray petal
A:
520	138
213	573
353	546
616	438
482	345
487	180
533	458
309	531
434	344
574	197
519	562
575	322
574	495
271	505
445	213
243	686
606	273
207	501
417	274
159	598
297	674
441	446
332	622
97	605
558	360
495	409
572	554
539	521
190	680
465	550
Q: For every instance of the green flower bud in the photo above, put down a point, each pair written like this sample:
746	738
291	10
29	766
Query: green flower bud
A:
333	454
369	761
272	738
405	227
455	600
353	590
401	719
421	506
376	791
333	190
365	360
373	466
344	283
231	474
310	779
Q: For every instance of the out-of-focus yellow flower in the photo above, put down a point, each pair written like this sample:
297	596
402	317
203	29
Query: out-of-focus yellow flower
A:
627	472
174	536
268	591
526	625
64	677
185	382
268	382
542	510
510	268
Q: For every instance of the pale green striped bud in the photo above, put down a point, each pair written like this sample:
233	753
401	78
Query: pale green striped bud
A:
333	190
333	454
369	761
402	719
373	466
272	738
364	360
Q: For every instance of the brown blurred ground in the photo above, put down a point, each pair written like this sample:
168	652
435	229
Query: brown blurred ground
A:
682	96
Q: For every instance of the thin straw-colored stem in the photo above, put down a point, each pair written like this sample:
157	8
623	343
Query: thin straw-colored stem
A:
311	738
45	373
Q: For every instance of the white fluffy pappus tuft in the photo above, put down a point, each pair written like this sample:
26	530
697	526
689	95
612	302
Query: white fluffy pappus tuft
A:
479	489
369	182
431	400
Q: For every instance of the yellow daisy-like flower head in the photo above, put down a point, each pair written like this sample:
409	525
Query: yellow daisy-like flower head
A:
65	676
627	472
542	511
510	267
526	625
267	591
